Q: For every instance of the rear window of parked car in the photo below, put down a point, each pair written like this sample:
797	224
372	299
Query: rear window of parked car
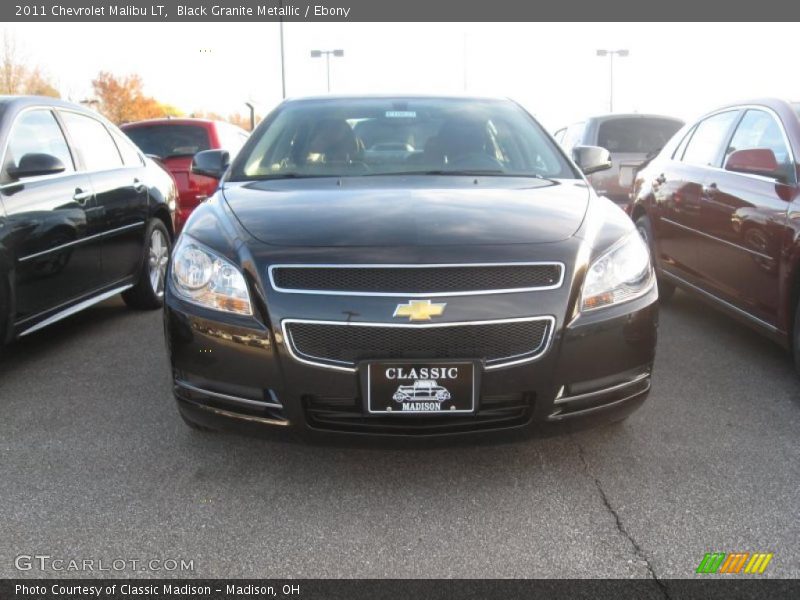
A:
166	141
640	135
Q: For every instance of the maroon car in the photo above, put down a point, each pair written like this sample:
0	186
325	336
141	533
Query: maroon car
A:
174	142
720	208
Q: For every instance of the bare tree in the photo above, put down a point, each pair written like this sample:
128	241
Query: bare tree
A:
16	78
12	72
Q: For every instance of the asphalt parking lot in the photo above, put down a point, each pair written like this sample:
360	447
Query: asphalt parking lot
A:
95	463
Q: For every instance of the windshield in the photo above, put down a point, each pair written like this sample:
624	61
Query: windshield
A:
167	141
368	137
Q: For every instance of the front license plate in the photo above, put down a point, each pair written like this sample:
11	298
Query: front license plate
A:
407	388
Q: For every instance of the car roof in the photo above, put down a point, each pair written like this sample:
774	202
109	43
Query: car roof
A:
776	104
613	116
403	96
11	106
171	121
20	102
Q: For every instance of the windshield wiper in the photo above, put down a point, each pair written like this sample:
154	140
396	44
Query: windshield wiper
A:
289	176
460	172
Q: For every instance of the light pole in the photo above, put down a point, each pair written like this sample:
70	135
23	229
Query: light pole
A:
610	54
327	53
283	60
252	108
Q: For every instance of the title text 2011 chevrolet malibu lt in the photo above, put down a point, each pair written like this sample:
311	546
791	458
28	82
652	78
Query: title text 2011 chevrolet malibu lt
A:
404	266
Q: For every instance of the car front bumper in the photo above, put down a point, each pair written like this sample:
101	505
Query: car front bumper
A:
236	373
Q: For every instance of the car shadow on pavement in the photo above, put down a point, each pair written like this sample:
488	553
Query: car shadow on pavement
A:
703	316
73	330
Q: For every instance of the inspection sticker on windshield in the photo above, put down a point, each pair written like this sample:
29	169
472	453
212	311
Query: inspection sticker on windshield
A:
401	114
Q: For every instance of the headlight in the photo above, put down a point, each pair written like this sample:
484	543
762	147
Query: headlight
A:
204	278
621	274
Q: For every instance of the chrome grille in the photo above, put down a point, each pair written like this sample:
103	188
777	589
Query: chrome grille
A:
416	280
342	345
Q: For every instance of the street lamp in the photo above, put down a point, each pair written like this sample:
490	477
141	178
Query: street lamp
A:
283	60
252	109
610	54
327	53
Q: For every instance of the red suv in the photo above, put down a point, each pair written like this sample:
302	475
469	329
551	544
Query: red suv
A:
174	142
719	206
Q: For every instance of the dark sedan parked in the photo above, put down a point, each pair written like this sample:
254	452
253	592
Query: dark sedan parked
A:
358	247
83	215
719	206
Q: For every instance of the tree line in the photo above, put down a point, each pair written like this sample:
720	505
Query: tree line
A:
120	98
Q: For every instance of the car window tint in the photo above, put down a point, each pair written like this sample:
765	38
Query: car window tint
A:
93	142
759	129
37	132
640	135
130	155
678	154
710	134
170	140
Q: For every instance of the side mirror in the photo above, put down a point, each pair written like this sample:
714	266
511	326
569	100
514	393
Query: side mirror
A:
591	159
211	163
34	163
758	161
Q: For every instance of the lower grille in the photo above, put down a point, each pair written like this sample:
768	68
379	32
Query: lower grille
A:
584	398
343	345
346	415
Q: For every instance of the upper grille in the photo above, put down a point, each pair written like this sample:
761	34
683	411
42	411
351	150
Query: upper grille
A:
422	280
345	344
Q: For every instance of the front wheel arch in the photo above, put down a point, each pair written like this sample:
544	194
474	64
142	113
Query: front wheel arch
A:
666	289
163	214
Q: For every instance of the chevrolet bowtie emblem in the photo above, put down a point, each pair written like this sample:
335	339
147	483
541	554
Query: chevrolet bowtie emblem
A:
419	310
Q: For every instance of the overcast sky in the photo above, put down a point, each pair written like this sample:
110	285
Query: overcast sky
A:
675	69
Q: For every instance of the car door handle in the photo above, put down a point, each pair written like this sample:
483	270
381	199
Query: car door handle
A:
138	185
80	196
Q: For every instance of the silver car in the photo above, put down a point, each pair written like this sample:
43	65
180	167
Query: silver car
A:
630	138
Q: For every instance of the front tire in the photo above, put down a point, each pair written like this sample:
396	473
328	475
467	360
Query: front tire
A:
148	293
665	289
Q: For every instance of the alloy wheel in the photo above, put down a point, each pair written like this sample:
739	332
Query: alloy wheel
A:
157	260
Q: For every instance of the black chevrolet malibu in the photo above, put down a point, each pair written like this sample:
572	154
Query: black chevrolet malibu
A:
407	266
84	215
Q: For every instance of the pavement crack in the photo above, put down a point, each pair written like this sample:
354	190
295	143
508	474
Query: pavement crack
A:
638	550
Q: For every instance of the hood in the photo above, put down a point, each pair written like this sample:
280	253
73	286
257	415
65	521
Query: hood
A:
408	211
